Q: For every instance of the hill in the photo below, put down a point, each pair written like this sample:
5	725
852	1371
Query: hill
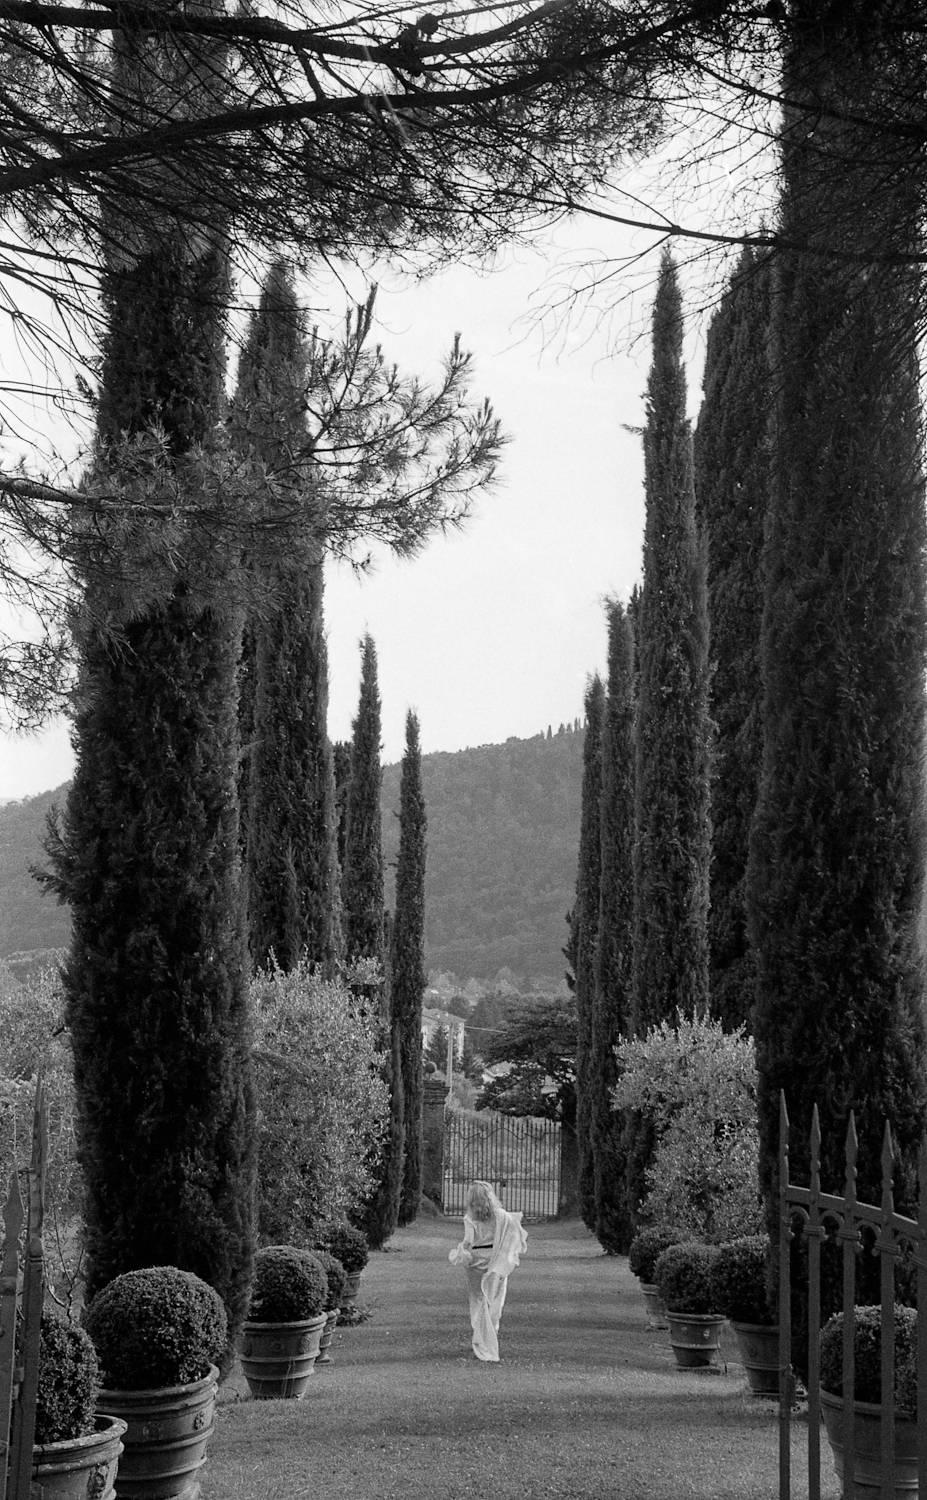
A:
503	829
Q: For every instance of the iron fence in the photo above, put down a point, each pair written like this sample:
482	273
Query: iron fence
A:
519	1156
854	1229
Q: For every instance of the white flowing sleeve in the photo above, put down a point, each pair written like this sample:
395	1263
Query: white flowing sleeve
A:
460	1255
509	1245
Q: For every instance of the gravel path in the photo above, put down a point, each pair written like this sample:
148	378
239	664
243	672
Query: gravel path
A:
585	1403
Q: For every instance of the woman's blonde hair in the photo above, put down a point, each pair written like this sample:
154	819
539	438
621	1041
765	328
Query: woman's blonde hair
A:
482	1202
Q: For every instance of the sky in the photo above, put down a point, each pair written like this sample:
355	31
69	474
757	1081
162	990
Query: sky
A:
493	632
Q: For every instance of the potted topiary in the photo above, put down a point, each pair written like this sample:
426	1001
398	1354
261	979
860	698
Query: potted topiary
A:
337	1277
683	1277
867	1395
286	1316
740	1280
75	1448
351	1248
159	1333
643	1251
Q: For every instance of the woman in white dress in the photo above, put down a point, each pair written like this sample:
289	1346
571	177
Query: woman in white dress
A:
493	1244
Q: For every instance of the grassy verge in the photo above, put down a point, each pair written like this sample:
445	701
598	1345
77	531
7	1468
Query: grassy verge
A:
586	1404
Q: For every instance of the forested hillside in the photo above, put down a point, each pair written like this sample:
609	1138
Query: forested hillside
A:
503	823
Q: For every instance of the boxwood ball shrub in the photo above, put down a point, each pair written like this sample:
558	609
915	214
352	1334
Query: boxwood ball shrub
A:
158	1326
648	1244
348	1244
739	1279
289	1285
683	1277
336	1275
867	1345
69	1379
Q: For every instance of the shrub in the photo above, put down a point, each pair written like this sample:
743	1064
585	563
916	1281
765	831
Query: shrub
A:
156	1327
336	1275
348	1243
648	1244
867	1346
739	1279
32	1034
289	1285
696	1084
69	1379
683	1277
322	1101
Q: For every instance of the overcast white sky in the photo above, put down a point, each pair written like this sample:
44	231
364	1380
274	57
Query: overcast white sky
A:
492	632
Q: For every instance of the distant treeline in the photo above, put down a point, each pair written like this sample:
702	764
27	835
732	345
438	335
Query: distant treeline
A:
501	863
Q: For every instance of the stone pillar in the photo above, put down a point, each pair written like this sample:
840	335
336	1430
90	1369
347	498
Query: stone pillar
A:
434	1098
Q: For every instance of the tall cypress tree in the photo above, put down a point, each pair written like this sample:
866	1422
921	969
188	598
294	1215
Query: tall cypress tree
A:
732	466
291	835
837	856
407	963
362	873
585	940
615	950
672	826
156	976
672	792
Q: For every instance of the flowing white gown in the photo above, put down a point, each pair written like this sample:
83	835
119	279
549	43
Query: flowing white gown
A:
488	1268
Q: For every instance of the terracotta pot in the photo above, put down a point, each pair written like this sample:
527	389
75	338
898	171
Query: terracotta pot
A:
695	1338
351	1286
656	1308
167	1434
278	1358
325	1341
759	1354
76	1468
867	1448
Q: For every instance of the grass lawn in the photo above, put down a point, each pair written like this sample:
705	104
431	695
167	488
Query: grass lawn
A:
586	1403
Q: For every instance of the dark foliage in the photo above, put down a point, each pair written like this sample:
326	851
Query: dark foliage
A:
407	965
291	867
69	1379
683	1277
362	871
335	1276
740	1279
648	1245
672	728
147	857
614	954
585	940
156	1327
837	854
733	454
671	901
502	823
537	1042
289	1285
379	1216
348	1243
867	1348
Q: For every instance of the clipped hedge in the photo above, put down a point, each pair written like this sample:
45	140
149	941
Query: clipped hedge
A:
154	1327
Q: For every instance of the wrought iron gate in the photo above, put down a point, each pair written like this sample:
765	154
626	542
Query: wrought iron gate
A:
519	1156
851	1229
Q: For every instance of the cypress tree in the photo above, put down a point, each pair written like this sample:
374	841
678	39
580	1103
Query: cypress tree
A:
407	964
672	827
615	950
362	872
837	855
291	849
672	792
732	464
585	941
156	976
